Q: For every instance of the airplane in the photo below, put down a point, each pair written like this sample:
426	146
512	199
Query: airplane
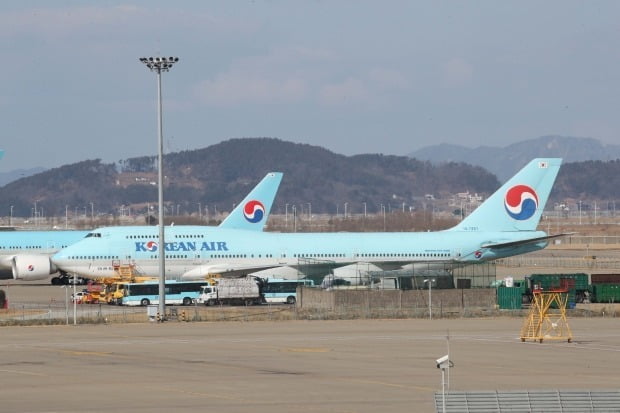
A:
20	251
502	226
25	255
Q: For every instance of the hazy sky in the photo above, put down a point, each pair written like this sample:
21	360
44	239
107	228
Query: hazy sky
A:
352	76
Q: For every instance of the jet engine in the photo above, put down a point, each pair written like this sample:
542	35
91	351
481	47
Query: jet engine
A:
32	267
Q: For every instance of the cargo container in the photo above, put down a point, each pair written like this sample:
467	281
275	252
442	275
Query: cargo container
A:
605	293
549	281
605	278
509	298
575	283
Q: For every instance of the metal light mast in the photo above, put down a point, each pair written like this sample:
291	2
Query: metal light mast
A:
158	65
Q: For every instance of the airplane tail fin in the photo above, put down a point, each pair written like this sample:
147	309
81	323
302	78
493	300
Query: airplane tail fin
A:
253	211
1	153
519	203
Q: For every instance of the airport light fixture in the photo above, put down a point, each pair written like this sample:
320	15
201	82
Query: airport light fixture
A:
430	282
159	65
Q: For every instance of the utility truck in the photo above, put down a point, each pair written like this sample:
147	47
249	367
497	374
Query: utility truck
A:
232	291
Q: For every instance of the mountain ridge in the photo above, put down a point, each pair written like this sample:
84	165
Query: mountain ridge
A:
218	176
502	161
223	174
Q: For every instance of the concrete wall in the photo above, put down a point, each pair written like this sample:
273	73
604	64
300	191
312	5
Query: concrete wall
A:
315	298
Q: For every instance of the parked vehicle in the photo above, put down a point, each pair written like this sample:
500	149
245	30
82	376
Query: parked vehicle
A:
145	293
232	291
79	297
283	291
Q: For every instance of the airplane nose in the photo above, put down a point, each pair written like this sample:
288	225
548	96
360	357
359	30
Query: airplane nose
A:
59	259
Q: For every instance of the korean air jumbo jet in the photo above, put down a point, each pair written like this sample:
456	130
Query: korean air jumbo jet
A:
25	255
504	225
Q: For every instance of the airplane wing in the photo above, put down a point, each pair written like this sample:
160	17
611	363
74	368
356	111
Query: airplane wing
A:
229	270
235	270
509	244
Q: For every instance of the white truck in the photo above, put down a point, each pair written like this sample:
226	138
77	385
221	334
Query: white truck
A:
235	291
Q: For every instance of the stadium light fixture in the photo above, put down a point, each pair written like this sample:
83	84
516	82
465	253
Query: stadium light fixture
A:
159	65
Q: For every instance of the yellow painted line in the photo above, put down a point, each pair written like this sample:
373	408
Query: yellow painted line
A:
86	353
202	394
306	350
27	373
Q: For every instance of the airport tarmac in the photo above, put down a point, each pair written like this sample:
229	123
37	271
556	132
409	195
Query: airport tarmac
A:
360	366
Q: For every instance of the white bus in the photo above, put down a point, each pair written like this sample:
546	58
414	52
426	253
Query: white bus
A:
177	292
283	291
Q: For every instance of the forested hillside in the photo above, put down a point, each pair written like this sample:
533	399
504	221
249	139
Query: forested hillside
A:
222	174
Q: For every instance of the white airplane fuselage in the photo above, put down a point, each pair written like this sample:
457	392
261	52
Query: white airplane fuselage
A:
502	226
193	252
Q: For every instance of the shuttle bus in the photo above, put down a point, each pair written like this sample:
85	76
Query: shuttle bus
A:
177	292
283	291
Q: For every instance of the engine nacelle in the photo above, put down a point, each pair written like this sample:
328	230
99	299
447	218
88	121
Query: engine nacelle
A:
32	267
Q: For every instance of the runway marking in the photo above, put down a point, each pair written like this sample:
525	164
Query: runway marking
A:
27	373
306	350
382	383
87	353
202	394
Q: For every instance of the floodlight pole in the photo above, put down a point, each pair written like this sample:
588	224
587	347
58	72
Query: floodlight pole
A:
443	390
430	297
158	65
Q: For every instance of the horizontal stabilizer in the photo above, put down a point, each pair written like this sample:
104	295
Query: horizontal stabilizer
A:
511	244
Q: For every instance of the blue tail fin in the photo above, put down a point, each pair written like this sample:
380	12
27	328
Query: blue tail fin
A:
1	153
519	203
253	211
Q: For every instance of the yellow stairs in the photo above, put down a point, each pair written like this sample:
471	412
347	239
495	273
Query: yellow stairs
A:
544	322
125	272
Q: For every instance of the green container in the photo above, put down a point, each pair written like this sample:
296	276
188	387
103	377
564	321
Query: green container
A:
522	285
606	293
549	281
509	298
581	281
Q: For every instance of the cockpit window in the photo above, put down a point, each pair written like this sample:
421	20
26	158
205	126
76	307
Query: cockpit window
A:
93	234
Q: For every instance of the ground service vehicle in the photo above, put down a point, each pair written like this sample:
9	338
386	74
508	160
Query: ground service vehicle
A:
79	297
245	290
283	291
177	292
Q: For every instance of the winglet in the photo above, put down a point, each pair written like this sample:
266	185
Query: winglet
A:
253	211
519	203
